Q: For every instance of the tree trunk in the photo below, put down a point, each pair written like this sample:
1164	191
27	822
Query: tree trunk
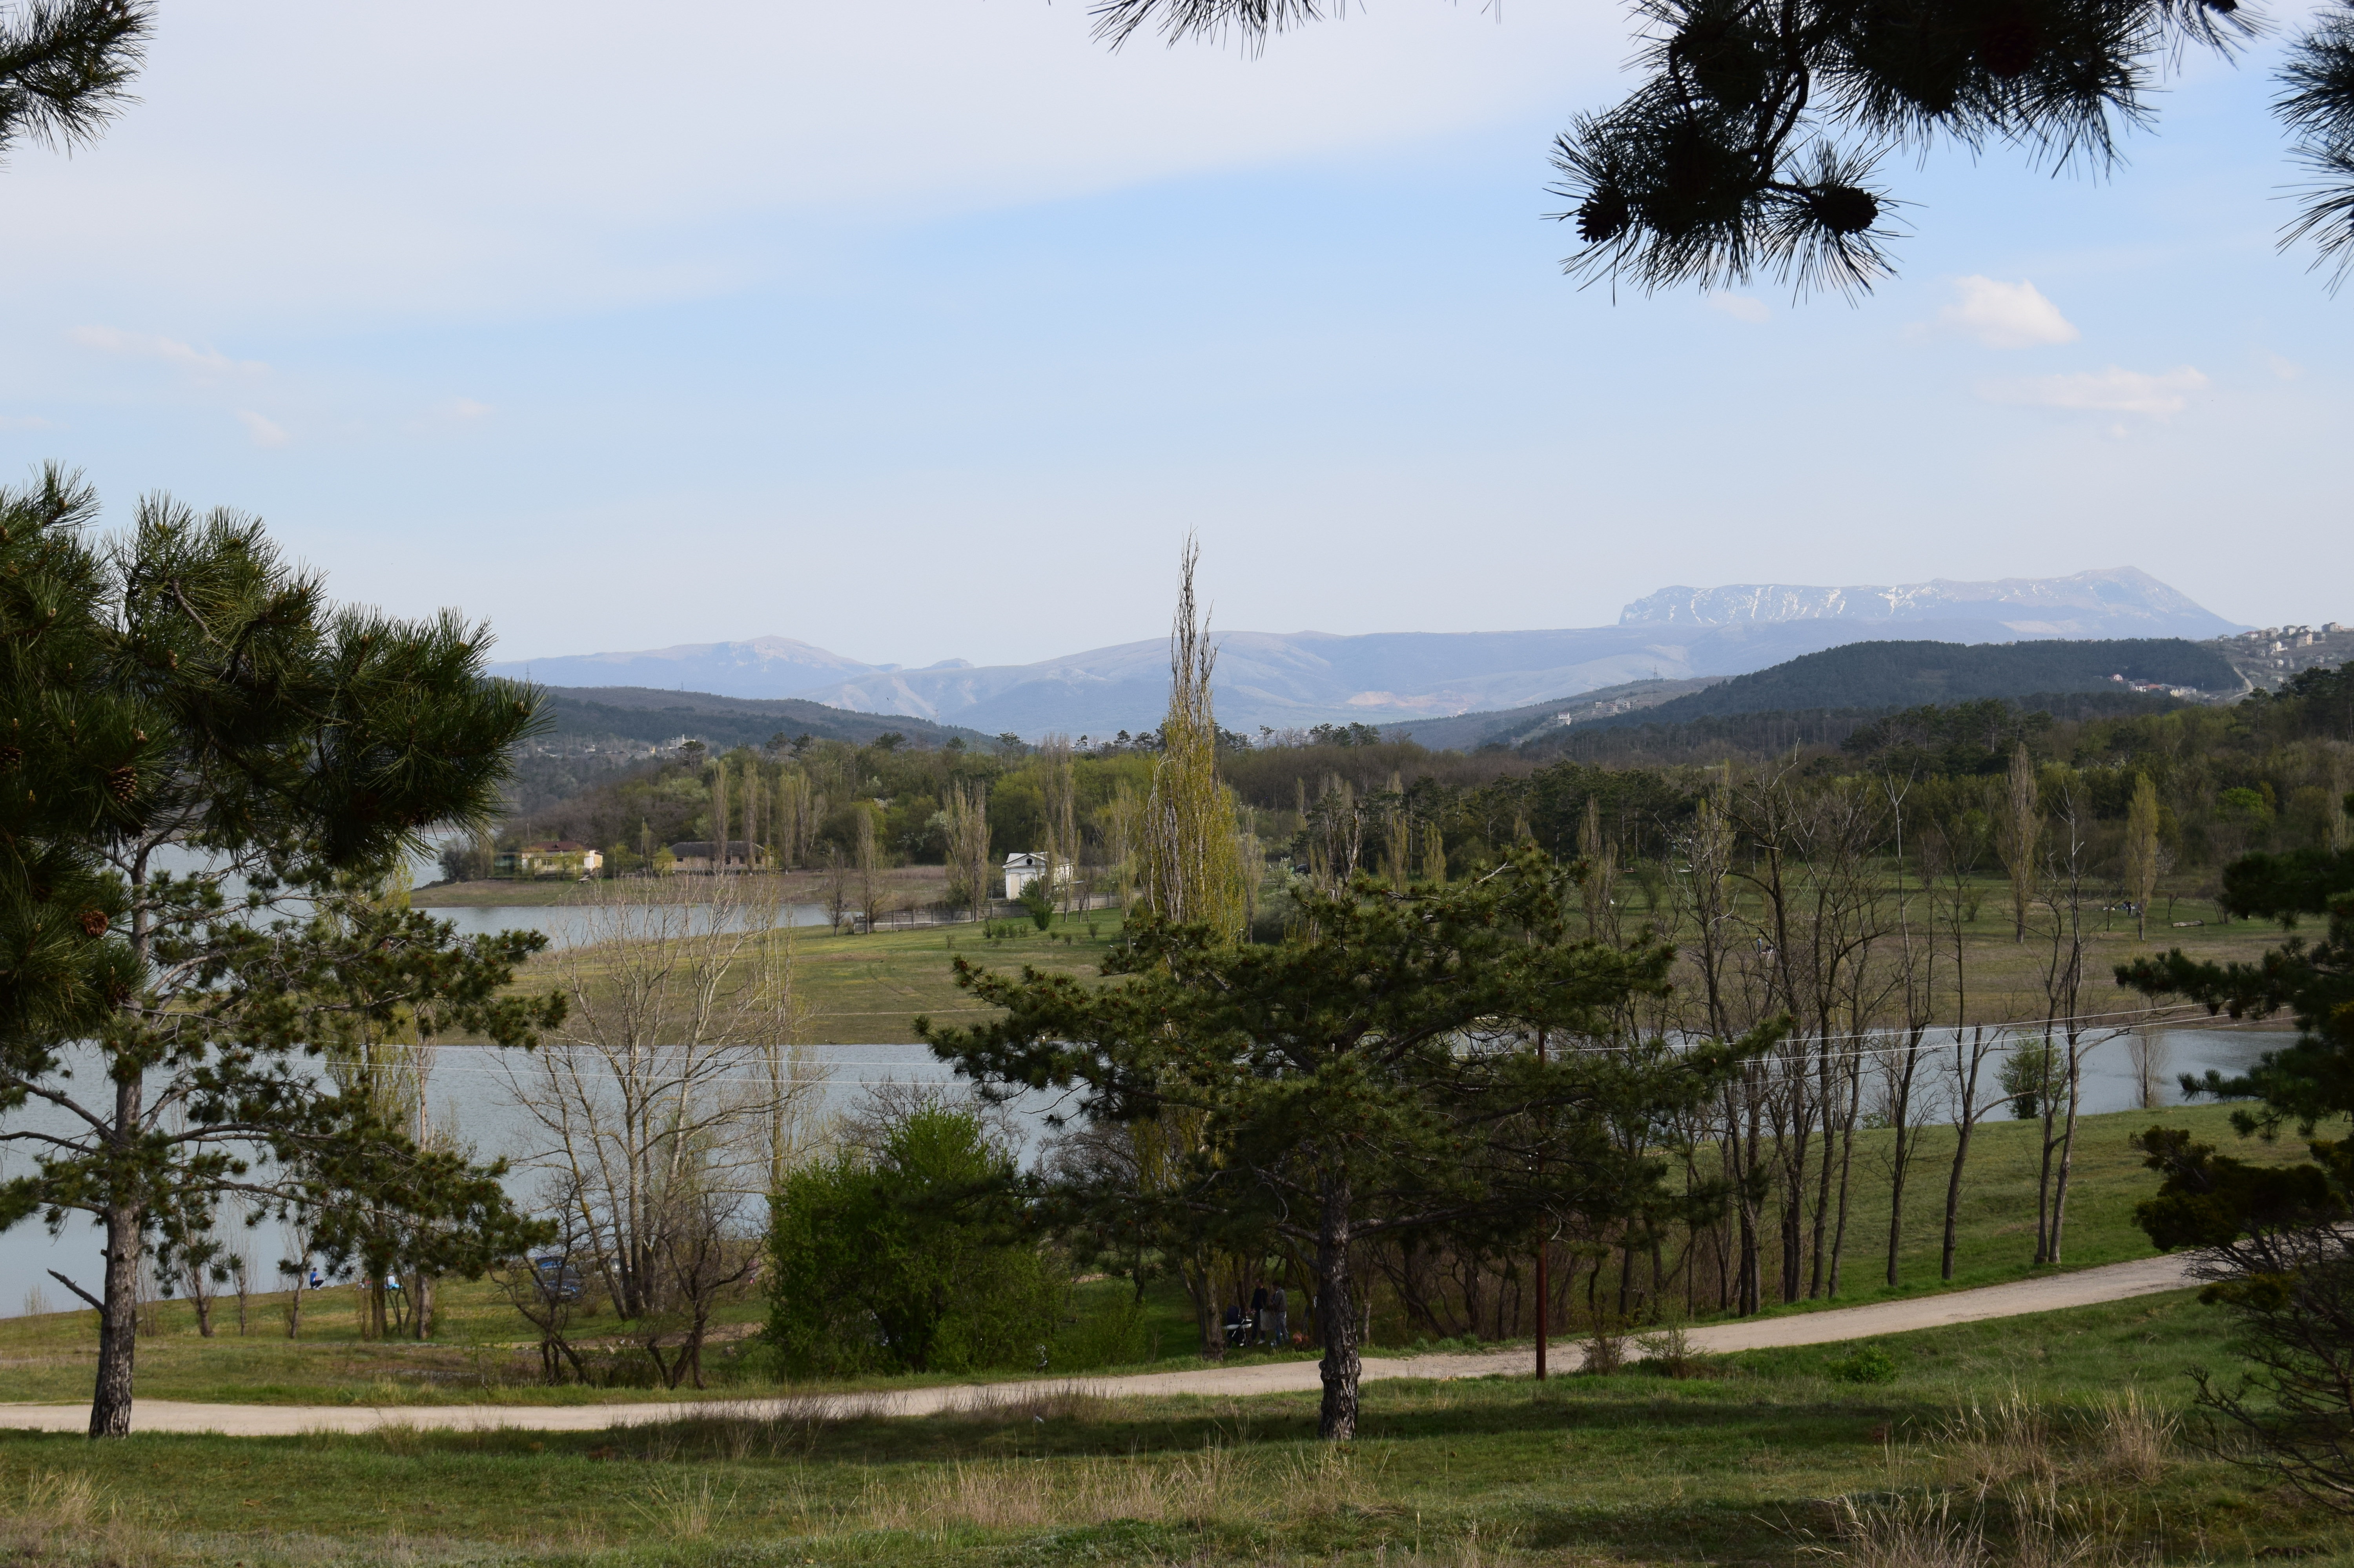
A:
117	1330
1964	1126
1336	1316
2067	1146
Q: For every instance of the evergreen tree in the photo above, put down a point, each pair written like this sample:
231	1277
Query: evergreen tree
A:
1752	143
208	775
66	68
1368	1076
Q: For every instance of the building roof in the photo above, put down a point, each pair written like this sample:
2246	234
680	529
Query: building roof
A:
1024	858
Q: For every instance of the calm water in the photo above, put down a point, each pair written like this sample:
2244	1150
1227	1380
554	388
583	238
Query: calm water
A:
469	1091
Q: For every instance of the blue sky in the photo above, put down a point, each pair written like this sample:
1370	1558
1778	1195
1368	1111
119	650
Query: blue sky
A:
926	329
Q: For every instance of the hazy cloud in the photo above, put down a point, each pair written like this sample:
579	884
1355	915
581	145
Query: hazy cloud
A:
108	340
265	431
467	408
2112	390
1740	307
2005	315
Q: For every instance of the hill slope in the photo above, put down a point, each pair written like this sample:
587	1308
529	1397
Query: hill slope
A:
641	714
1891	675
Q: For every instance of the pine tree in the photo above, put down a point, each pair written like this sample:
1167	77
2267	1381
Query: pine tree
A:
181	691
1365	1077
1751	145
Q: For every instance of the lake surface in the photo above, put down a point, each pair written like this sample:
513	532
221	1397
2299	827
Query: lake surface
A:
470	1092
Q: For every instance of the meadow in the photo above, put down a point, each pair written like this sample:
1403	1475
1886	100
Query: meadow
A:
2054	1439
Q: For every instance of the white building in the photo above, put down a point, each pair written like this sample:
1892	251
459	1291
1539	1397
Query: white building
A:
1025	868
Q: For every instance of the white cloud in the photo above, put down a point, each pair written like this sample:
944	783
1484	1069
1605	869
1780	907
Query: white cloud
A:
2286	369
265	431
24	422
108	340
2005	315
1740	307
467	408
2112	390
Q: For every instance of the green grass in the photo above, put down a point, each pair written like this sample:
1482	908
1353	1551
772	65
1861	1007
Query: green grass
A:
1746	1463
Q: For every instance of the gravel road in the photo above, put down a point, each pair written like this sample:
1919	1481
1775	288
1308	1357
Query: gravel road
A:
2084	1287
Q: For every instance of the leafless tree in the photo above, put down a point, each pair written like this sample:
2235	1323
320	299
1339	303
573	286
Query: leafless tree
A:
874	891
968	847
838	897
673	1059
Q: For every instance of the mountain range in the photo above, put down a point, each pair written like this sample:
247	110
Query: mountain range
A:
1284	680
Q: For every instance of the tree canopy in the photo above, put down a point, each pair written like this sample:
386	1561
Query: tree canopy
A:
1370	1075
66	68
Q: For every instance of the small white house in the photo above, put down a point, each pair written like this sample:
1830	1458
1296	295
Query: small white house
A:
1026	868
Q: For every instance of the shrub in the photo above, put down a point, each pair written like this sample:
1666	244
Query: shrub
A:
1866	1364
918	1259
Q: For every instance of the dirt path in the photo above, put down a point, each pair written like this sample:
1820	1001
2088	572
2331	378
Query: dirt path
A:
2084	1287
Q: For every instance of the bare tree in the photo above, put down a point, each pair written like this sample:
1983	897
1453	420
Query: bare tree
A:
2067	1036
838	894
1960	843
1120	818
2147	1049
968	846
874	891
668	1064
2141	852
1057	783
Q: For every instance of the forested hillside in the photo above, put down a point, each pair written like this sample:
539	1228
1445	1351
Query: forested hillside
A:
2263	772
1886	675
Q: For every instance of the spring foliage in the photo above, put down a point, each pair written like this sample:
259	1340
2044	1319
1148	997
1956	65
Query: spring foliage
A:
914	1260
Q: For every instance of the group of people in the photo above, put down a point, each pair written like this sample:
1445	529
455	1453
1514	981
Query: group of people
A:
1267	1322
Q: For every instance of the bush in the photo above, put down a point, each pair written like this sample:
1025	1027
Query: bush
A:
1115	1332
1866	1364
918	1260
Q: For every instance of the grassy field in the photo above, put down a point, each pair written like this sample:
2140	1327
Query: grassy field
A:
483	1351
868	989
2060	1434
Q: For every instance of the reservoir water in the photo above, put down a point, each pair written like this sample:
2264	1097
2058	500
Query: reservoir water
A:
469	1091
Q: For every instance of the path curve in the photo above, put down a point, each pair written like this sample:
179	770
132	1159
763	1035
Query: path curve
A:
2084	1287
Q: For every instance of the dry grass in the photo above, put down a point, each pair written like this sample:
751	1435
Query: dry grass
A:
68	1518
1220	1481
2014	1483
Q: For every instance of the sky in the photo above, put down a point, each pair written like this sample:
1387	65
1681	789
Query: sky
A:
927	329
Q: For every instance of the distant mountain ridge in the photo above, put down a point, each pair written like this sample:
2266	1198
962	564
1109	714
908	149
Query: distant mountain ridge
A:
1287	679
2088	605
